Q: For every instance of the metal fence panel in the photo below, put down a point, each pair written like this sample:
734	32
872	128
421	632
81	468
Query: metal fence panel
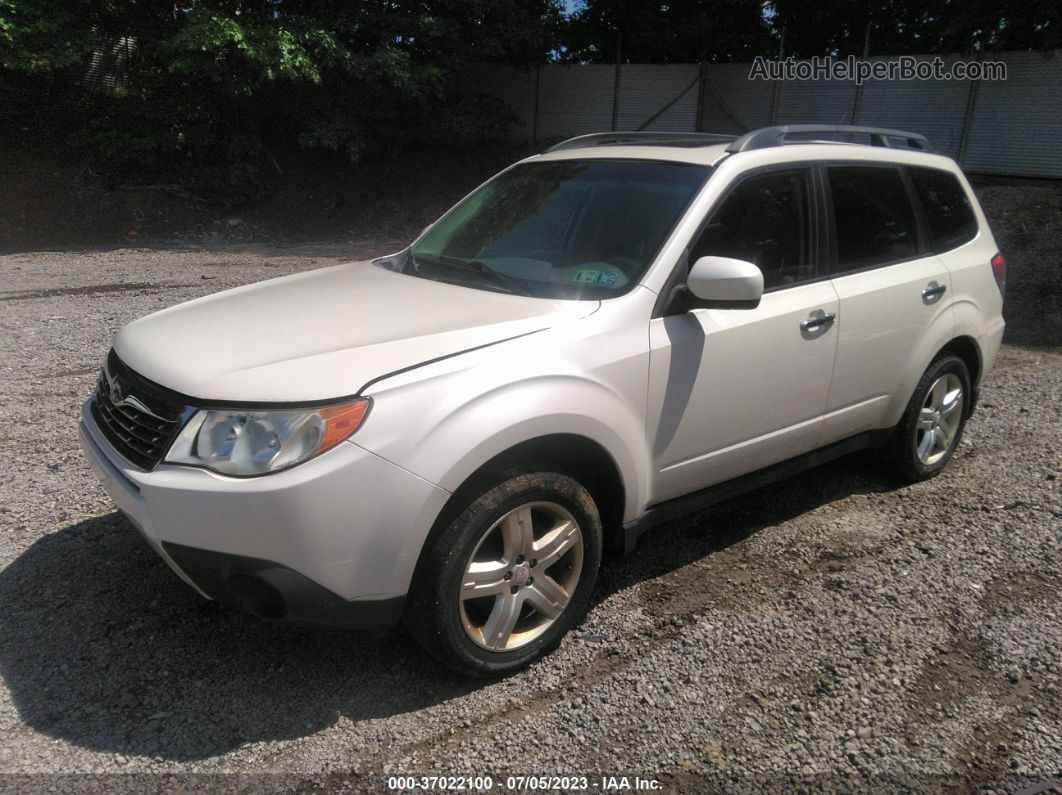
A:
935	108
646	89
575	99
1010	127
732	102
822	102
1016	124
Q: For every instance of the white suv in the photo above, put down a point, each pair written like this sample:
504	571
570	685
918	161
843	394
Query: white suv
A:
623	328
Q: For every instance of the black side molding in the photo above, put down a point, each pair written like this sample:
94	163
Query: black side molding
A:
681	506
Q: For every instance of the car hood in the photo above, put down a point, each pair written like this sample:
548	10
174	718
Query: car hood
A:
323	334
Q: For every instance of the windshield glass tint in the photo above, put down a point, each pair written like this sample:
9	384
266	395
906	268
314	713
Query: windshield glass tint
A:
562	229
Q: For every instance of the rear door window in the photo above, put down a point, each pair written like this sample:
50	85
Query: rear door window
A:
947	209
874	222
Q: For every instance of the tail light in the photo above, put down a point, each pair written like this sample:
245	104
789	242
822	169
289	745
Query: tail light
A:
999	270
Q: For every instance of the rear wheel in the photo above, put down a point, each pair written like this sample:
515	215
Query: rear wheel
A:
507	579
932	424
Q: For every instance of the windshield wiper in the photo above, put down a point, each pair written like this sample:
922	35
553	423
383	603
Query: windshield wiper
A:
513	284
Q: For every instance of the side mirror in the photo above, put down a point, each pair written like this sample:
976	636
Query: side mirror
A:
726	283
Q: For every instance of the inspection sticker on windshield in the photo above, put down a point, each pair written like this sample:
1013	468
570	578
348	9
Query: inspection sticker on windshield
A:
595	277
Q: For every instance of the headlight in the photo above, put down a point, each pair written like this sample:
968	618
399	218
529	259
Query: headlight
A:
259	441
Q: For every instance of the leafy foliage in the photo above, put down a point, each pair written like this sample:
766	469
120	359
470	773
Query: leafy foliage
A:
679	31
215	91
691	31
890	27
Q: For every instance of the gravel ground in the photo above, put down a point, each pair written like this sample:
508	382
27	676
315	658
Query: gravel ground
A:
837	631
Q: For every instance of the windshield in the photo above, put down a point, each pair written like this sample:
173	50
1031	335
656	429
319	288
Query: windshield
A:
560	229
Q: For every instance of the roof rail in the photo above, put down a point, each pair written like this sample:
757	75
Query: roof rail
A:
776	136
647	138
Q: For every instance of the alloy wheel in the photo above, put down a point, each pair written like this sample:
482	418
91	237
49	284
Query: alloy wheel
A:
939	419
521	576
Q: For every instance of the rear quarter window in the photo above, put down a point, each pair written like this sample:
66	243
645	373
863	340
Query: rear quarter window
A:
946	206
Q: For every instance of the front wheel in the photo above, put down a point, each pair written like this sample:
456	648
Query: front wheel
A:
507	579
931	427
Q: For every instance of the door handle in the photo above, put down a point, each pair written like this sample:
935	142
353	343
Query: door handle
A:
933	291
812	323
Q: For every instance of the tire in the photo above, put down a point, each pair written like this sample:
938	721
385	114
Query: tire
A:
477	578
929	431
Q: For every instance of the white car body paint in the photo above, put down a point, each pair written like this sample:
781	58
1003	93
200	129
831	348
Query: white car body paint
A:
322	334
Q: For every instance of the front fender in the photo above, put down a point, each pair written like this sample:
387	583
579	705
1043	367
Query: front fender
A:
445	441
543	406
445	437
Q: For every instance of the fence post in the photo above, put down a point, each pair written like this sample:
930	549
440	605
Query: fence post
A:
964	133
698	121
777	87
774	101
857	104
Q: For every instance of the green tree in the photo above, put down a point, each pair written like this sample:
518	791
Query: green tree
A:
680	31
215	89
890	27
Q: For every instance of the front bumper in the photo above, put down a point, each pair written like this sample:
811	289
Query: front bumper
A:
275	592
332	541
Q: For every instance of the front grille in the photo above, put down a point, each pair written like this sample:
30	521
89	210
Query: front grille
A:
143	422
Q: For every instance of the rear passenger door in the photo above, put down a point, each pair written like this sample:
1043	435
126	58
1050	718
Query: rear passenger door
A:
891	289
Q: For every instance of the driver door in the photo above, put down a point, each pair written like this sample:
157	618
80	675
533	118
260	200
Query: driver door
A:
735	390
